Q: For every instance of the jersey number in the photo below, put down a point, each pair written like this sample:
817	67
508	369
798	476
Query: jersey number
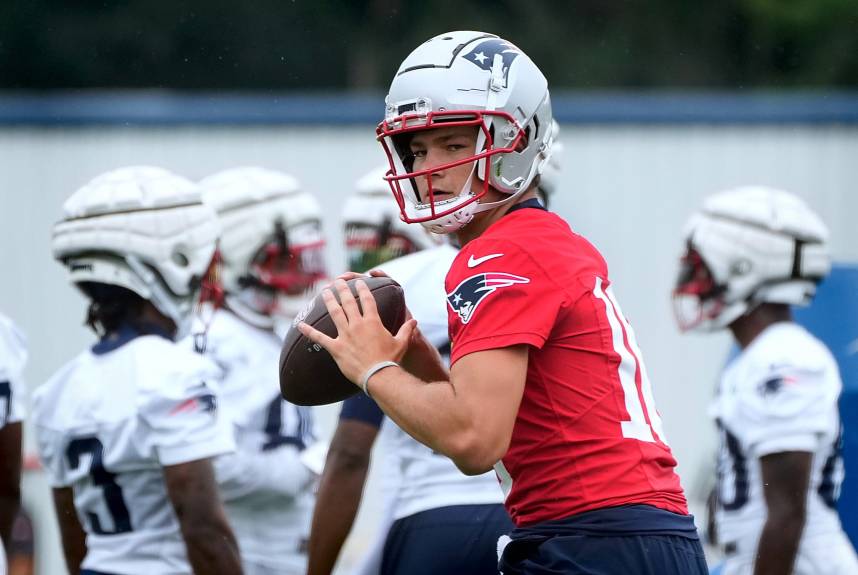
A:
832	473
736	463
274	427
644	423
102	478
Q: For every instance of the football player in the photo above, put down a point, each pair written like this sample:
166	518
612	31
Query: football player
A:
271	250
751	253
547	383
432	506
13	356
127	429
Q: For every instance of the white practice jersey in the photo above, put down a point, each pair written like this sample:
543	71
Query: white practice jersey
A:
780	394
266	489
428	480
13	357
107	422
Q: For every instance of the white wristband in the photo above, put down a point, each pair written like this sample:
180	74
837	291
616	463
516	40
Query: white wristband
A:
372	371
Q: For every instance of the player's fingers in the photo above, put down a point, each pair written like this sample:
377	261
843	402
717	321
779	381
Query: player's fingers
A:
341	321
315	336
367	300
347	300
346	276
405	333
378	274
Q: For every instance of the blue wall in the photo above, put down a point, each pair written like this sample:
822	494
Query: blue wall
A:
833	318
596	107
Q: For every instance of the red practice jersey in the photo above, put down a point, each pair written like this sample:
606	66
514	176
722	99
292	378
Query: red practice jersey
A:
587	435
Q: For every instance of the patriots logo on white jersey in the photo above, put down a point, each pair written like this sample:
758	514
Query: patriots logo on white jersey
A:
467	296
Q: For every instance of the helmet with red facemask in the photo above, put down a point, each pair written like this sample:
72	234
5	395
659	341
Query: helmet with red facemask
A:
271	248
745	247
467	78
374	232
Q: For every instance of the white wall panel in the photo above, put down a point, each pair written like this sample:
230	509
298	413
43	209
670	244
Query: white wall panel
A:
628	189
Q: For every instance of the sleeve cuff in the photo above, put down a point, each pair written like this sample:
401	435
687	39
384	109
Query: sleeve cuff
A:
807	442
203	450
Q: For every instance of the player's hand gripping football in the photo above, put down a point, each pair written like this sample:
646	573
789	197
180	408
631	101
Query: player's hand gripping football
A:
362	340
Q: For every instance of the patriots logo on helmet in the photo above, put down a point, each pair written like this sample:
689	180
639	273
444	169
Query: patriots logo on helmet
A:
483	55
467	296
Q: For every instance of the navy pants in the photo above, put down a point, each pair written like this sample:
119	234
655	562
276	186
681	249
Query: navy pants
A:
454	540
605	555
624	540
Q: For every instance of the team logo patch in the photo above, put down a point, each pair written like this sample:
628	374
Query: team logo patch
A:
204	402
483	55
774	384
467	296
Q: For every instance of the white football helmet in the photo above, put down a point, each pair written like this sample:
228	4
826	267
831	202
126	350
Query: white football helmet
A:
144	229
549	179
374	232
748	246
271	245
475	79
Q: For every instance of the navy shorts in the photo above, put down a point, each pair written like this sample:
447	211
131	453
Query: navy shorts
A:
596	555
630	540
454	540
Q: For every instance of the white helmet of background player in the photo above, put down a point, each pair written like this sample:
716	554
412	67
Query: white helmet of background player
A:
271	245
144	229
748	246
475	79
373	230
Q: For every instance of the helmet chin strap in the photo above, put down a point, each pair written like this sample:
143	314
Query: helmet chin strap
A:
491	205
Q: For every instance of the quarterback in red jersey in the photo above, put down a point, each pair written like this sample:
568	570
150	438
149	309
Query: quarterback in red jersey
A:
546	382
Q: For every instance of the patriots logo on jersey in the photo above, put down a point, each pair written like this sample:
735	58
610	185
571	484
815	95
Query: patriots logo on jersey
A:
774	384
467	296
205	402
483	55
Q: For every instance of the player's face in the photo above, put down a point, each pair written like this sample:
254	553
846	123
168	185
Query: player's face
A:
440	146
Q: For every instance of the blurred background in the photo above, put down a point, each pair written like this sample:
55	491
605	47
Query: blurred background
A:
661	103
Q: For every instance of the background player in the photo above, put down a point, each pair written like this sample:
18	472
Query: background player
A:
13	356
271	250
443	521
126	429
547	382
751	253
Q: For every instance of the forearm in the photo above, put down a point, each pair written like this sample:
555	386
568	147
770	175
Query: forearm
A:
212	548
337	504
778	545
10	478
72	535
433	414
9	503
